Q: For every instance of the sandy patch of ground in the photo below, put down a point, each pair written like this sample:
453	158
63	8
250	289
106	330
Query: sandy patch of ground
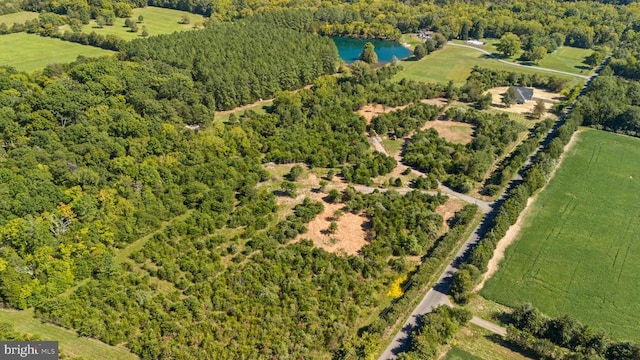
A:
514	230
538	94
448	209
350	236
370	111
452	131
436	101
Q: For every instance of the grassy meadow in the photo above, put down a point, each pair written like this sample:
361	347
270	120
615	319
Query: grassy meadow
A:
475	343
458	354
19	17
567	59
578	251
156	20
455	63
30	52
71	344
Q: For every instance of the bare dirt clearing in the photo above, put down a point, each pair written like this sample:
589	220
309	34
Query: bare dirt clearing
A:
448	209
538	94
370	111
436	101
350	235
452	131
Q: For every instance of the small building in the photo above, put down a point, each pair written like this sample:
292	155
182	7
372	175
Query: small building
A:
523	94
475	42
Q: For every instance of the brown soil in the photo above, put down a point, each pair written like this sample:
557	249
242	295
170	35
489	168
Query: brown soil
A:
436	101
514	230
452	131
525	108
350	236
448	209
370	111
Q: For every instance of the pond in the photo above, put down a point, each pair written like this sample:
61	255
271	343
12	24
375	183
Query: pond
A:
349	49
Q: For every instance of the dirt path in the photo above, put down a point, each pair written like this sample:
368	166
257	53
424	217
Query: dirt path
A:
514	230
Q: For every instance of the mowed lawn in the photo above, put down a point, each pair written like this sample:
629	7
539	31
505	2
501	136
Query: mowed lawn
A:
70	343
455	63
578	252
156	20
19	17
569	59
28	52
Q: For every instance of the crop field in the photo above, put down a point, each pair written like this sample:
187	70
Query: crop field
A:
29	51
455	63
579	249
156	20
19	17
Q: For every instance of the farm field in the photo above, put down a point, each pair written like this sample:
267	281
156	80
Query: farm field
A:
19	17
156	20
455	63
578	252
30	51
70	343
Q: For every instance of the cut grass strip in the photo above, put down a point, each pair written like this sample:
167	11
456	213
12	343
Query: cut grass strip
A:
71	344
29	52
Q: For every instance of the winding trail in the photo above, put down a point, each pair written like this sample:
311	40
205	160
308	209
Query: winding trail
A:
520	65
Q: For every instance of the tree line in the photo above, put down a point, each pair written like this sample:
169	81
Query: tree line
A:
532	330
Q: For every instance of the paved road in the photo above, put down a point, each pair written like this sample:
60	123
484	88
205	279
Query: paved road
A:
521	65
437	295
434	297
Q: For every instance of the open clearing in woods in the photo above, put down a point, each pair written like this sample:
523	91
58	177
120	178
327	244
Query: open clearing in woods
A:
538	94
30	51
579	249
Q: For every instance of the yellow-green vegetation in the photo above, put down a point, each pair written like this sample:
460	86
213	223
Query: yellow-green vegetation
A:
577	252
473	342
70	343
458	354
19	17
455	63
259	108
156	21
569	59
30	52
487	309
392	146
410	39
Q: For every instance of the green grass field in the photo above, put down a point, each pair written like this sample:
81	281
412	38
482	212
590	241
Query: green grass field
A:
29	51
156	20
458	354
19	17
475	343
70	343
567	59
578	251
455	63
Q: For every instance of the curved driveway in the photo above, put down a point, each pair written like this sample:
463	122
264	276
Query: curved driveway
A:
520	65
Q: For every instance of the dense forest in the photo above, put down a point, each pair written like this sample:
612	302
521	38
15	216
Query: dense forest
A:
254	66
130	214
96	154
